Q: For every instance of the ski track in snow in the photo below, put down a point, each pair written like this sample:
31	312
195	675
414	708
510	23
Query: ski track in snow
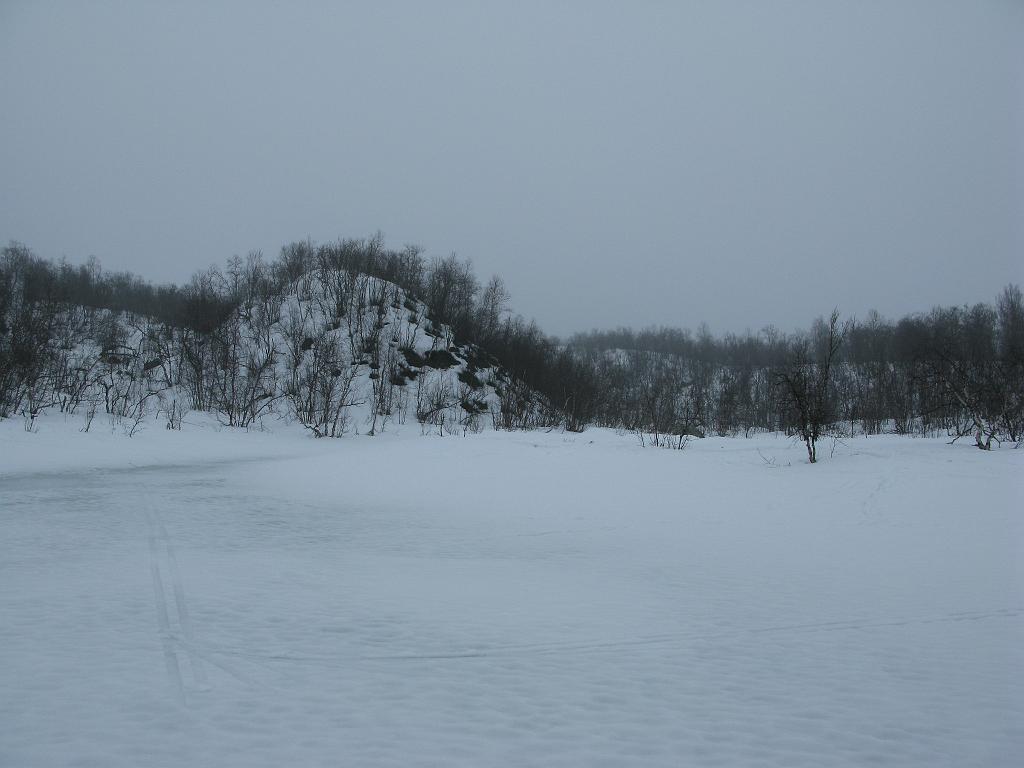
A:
631	644
164	556
507	600
164	621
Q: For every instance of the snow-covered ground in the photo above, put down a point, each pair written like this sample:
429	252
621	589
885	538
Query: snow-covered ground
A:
216	598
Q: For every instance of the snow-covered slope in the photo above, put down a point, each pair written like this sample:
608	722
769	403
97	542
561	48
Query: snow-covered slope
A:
339	352
207	597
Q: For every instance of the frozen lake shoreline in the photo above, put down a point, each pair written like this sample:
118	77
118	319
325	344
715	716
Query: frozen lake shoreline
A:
217	598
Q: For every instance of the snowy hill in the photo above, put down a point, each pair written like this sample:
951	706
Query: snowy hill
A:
351	337
337	351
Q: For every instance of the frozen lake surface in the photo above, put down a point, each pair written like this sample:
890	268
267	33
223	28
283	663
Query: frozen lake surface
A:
223	599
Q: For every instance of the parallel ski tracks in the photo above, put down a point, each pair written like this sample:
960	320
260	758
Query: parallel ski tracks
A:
173	613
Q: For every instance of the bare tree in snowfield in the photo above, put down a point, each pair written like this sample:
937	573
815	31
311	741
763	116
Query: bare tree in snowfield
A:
806	381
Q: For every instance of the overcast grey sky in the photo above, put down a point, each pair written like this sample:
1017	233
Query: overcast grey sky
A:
637	163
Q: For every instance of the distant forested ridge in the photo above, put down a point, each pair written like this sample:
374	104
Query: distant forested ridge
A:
326	332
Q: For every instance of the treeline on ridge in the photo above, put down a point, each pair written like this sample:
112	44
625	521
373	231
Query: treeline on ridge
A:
957	370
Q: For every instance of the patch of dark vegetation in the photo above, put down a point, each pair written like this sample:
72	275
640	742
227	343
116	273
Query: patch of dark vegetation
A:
412	358
474	405
475	357
403	375
469	378
441	359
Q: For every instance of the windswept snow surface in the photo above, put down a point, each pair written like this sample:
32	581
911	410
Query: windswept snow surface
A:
216	598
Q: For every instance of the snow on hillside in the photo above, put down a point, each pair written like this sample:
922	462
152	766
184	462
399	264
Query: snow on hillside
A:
210	597
337	351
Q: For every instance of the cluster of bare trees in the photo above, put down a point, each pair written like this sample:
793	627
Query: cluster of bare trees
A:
303	330
243	341
58	352
55	354
955	370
